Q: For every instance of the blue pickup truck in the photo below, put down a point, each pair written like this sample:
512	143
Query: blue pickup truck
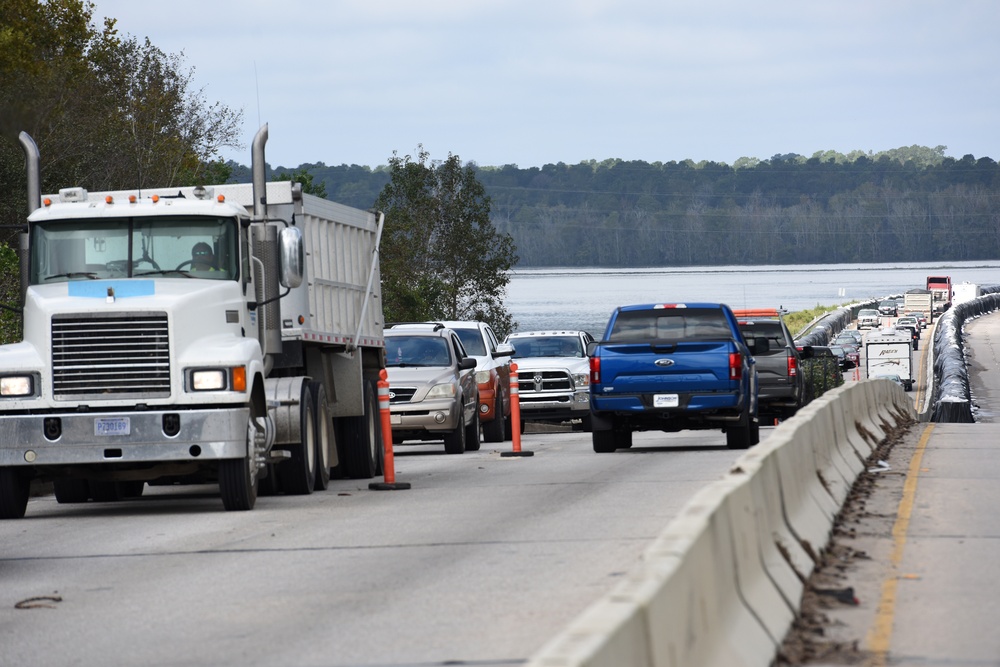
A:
669	367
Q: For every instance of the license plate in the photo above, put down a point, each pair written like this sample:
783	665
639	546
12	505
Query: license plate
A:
112	426
665	400
395	419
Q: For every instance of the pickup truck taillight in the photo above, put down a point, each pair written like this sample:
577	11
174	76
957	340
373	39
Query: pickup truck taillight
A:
793	366
595	370
735	366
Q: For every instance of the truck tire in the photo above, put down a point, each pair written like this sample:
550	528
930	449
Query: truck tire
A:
508	428
739	436
238	477
472	441
494	430
297	475
105	491
70	491
14	489
363	444
605	442
326	441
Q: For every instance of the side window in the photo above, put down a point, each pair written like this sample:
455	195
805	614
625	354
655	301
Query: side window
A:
492	341
458	347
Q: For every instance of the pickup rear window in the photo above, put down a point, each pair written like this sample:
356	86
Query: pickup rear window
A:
640	326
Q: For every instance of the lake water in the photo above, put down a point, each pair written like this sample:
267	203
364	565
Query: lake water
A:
578	298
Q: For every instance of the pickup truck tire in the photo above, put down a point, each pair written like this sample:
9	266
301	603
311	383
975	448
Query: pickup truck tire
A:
740	436
493	430
297	475
14	490
604	441
472	441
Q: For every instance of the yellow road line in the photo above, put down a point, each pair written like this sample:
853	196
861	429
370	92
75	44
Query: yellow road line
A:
880	636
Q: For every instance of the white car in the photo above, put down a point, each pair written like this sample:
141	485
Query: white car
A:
553	376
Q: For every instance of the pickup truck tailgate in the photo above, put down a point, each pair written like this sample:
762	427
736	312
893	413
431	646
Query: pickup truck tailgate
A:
649	368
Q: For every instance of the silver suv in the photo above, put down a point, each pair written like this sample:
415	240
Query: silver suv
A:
432	386
553	375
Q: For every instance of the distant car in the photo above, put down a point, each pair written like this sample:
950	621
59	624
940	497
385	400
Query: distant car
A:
853	354
492	376
553	373
911	329
887	308
909	321
920	317
855	335
432	387
841	354
894	378
869	318
845	339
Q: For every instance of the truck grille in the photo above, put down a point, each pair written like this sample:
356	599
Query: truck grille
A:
532	381
110	356
401	394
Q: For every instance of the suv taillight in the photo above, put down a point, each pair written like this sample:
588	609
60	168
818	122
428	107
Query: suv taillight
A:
735	366
595	370
793	366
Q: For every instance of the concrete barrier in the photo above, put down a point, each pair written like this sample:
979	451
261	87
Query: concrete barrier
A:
721	584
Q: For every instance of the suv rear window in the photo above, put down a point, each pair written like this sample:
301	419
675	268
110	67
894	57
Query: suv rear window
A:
640	326
769	329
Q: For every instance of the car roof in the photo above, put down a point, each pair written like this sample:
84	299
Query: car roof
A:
552	332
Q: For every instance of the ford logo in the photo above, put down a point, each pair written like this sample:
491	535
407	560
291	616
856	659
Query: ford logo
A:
664	362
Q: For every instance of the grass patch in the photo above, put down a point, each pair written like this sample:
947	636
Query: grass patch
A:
798	320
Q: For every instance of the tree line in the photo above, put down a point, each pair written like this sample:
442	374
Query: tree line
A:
906	204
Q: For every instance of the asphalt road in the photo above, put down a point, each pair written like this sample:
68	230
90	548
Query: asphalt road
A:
480	562
919	542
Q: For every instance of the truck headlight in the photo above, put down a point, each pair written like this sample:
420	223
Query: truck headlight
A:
482	377
581	379
17	385
212	379
442	391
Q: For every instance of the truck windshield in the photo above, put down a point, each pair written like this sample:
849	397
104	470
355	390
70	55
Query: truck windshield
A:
182	247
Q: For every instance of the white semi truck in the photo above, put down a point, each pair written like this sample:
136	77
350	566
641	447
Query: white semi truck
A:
228	333
889	352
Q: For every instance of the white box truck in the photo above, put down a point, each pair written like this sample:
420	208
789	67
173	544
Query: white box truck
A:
229	334
889	352
963	292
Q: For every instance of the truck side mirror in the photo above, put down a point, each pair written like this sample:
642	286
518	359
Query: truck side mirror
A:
591	346
504	350
291	256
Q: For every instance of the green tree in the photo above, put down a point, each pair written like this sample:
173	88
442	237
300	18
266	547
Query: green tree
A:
309	185
441	256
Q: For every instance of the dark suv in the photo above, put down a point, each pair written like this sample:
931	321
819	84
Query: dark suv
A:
780	380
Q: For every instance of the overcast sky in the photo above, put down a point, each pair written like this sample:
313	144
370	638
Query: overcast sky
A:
545	81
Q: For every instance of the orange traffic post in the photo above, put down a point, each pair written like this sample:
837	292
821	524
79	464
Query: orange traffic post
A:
388	463
515	416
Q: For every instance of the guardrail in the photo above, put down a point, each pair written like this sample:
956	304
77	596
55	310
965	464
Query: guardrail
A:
723	582
952	398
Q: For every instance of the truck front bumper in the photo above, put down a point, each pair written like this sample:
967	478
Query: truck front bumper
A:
141	437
